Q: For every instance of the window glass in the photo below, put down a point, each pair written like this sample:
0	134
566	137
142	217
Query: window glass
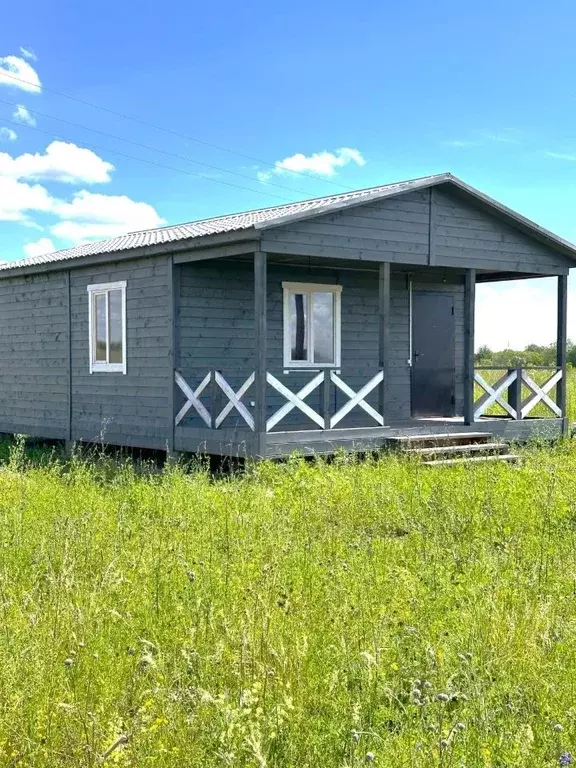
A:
311	325
298	326
100	326
115	326
107	308
323	318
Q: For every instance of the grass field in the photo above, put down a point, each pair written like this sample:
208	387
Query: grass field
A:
299	615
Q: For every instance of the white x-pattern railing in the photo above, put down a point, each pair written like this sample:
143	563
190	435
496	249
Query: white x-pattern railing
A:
294	400
495	394
234	399
356	399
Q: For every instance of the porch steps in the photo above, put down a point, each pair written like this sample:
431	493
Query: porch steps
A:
432	440
509	458
454	449
460	450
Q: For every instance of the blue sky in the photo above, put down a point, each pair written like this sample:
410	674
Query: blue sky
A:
402	90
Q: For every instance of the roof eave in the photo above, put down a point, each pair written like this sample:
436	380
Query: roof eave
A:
248	235
527	225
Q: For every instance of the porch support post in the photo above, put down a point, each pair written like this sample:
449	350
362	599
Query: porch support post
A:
173	284
469	306
383	333
260	350
561	343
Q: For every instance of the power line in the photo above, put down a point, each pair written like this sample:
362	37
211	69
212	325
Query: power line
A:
152	149
150	162
170	131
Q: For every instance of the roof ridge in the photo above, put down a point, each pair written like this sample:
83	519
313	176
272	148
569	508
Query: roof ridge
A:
258	219
362	190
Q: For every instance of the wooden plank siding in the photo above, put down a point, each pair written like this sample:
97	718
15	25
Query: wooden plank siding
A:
467	236
389	230
131	409
34	355
424	227
223	338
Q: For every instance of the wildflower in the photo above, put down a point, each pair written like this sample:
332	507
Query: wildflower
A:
558	728
355	736
442	697
416	693
427	684
370	757
444	743
69	662
565	759
461	726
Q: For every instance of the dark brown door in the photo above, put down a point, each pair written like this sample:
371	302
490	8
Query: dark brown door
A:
432	354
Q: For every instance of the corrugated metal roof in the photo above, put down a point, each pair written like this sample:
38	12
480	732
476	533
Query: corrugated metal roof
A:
221	224
265	218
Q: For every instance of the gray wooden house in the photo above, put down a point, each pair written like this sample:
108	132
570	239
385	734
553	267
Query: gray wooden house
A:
339	321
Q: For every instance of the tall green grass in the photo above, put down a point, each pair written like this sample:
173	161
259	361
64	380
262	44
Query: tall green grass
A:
298	615
571	395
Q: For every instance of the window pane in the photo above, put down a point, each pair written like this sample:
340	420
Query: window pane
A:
100	327
298	326
323	311
115	324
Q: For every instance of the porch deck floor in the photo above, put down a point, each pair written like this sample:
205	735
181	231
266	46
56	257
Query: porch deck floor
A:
508	428
436	421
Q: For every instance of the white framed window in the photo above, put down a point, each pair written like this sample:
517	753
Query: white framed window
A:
311	325
107	327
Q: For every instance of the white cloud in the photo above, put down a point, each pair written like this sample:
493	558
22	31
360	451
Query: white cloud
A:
502	137
480	138
28	53
322	163
61	161
18	73
18	199
562	156
460	143
89	216
86	215
7	134
22	115
39	247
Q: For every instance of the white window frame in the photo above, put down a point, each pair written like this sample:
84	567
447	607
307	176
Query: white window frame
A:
94	290
309	289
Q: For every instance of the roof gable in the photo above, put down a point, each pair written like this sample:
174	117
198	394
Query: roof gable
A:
446	180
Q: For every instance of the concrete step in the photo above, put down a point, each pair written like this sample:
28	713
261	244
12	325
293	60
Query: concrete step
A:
508	458
447	451
406	442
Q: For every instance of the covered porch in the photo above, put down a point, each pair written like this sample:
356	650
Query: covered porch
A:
247	384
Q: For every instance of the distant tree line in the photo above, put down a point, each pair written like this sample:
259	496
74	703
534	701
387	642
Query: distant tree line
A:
534	354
